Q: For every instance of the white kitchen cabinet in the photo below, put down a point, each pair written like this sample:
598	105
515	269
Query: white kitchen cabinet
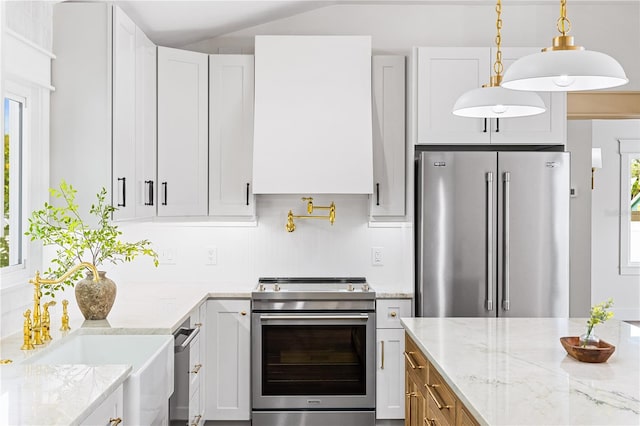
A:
146	142
124	114
388	95
108	412
93	109
443	74
231	85
182	132
187	401
197	368
390	397
228	358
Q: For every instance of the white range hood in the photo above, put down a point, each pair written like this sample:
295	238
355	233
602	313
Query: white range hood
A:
312	128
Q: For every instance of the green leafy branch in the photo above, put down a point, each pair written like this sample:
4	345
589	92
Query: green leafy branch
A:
76	242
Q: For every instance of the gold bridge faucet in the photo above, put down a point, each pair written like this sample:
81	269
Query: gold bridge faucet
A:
36	330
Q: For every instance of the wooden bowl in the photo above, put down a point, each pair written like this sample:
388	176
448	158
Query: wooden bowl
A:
588	354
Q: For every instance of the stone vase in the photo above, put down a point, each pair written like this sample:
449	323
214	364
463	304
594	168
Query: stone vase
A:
95	298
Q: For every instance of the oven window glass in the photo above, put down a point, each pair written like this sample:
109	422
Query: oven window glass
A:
313	360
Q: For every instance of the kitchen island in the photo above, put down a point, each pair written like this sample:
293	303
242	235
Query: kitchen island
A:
508	371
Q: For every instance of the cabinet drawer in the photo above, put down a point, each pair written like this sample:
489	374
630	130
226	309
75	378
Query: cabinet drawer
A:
441	398
463	418
389	312
415	360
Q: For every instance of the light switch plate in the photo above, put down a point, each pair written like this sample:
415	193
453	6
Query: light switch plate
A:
377	256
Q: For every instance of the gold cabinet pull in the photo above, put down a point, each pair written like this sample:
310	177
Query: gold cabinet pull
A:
198	324
433	396
382	355
408	355
115	422
196	368
5	361
243	313
196	420
393	314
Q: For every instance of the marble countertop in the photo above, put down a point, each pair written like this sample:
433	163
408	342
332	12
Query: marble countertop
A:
140	308
510	371
55	394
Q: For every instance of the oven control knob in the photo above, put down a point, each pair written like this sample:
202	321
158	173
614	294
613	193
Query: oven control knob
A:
350	288
276	287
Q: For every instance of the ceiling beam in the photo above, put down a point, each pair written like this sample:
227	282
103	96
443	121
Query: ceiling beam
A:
603	105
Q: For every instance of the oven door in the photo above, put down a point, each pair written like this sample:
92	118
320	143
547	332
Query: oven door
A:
313	361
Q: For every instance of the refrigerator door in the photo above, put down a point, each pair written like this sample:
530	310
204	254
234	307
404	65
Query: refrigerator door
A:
533	232
456	253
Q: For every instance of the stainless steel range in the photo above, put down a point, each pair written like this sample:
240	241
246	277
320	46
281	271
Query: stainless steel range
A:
313	352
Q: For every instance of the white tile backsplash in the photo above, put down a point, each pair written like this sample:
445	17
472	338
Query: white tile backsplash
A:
247	252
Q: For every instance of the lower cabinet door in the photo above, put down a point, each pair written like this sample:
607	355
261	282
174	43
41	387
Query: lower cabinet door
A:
110	412
227	379
390	384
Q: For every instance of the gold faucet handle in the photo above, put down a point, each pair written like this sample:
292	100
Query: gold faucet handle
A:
65	316
309	201
27	330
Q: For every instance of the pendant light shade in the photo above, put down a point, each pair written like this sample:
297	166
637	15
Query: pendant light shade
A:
564	66
497	102
493	101
564	70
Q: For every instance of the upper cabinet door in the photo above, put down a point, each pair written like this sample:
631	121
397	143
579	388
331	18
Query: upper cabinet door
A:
546	128
313	115
182	132
231	85
146	187
388	86
124	117
443	74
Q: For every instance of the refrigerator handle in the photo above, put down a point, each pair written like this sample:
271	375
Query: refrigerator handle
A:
489	302
505	243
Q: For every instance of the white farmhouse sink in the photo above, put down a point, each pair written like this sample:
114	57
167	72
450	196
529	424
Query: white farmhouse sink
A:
146	390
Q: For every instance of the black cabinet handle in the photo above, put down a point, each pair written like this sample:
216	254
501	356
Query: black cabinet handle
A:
164	186
124	192
485	126
149	184
247	193
497	125
377	194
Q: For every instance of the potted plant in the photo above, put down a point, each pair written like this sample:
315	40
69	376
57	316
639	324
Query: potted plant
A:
76	241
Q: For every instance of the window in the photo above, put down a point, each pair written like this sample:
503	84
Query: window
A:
630	206
11	231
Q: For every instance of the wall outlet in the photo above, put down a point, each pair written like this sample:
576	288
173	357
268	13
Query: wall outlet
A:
211	254
377	258
167	256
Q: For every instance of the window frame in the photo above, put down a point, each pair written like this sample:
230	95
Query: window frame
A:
20	174
17	274
629	150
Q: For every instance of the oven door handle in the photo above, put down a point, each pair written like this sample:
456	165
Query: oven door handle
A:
267	317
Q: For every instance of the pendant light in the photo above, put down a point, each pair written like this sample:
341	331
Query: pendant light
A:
493	101
564	66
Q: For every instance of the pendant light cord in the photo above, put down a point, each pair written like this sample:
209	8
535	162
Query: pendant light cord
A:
498	68
563	24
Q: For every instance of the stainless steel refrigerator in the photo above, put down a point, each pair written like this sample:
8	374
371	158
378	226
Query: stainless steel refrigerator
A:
492	234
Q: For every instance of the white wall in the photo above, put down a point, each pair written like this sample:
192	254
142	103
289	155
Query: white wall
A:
579	144
31	21
246	252
605	226
601	26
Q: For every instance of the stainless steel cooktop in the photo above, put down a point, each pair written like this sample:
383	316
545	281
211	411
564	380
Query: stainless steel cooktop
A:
313	288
